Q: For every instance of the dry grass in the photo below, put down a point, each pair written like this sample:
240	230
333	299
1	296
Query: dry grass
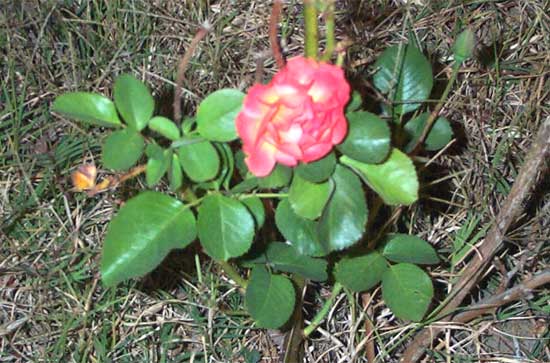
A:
52	307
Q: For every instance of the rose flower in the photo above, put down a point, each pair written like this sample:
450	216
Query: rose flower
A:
298	116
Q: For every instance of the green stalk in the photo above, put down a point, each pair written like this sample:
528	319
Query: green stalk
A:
233	274
311	37
329	23
321	314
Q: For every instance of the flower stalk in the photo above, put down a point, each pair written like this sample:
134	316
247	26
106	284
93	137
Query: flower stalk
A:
329	32
311	35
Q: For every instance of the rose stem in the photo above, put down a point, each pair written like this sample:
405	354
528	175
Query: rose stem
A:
310	18
233	273
329	33
321	314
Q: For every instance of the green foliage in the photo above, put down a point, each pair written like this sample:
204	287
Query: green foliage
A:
225	227
256	208
285	258
145	229
308	199
322	206
464	45
395	180
279	177
300	232
404	73
269	298
199	160
133	101
343	220
158	163
355	102
440	134
216	115
175	174
407	290
368	138
87	107
361	273
227	166
165	127
122	149
407	248
319	170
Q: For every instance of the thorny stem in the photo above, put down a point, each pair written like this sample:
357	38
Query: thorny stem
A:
329	34
233	273
321	314
311	37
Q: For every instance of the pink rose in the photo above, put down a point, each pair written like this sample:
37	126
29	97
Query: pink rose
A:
298	116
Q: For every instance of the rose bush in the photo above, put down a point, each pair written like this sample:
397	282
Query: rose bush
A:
298	116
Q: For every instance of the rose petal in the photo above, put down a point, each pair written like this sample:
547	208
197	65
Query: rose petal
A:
262	160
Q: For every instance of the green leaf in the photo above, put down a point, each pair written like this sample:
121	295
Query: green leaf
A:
216	115
199	160
285	258
134	101
463	48
404	72
343	221
395	180
256	207
122	149
440	134
165	127
279	177
157	164
145	229
407	290
355	102
226	227
87	107
407	248
361	273
308	199
245	186
269	298
301	233
318	171
187	124
175	175
240	164
368	138
227	166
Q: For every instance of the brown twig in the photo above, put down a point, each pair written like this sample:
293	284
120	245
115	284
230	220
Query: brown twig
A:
273	20
488	305
493	241
182	67
370	352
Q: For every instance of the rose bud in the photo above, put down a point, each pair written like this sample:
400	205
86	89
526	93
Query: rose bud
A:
84	177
